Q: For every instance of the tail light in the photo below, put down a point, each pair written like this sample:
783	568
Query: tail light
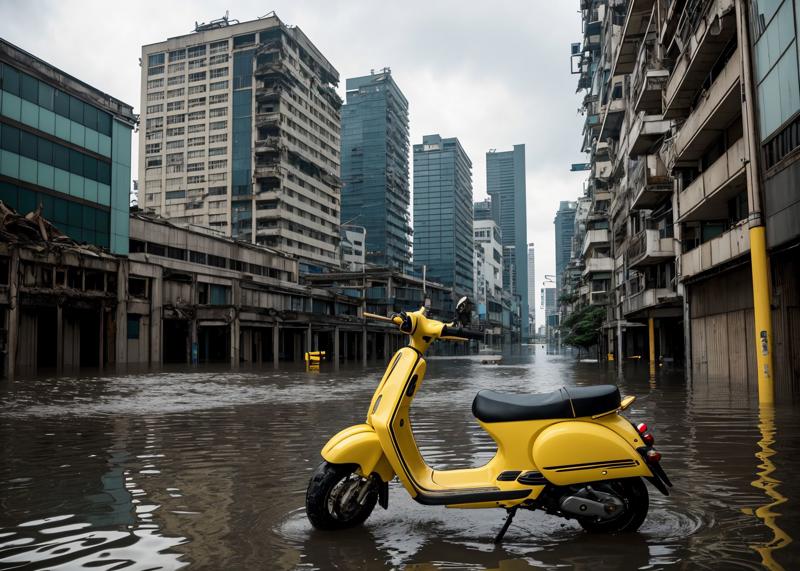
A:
641	428
648	438
653	457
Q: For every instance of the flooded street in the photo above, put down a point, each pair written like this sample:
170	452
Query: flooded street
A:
208	468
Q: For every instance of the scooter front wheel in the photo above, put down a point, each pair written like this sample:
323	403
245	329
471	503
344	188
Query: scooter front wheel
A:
338	497
634	496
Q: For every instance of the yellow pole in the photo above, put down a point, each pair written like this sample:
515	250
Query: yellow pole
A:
759	262
762	313
652	338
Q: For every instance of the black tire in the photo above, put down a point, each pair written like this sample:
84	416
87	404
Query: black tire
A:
633	492
332	484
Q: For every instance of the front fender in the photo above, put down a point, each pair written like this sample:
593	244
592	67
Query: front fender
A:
359	445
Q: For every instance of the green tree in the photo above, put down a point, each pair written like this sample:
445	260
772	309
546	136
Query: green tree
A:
582	328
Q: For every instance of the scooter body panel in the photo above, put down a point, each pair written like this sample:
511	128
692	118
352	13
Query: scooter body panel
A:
577	451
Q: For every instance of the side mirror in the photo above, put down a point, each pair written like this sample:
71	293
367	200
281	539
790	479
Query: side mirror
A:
464	311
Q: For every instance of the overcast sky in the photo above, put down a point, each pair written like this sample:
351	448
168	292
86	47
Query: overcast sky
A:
493	77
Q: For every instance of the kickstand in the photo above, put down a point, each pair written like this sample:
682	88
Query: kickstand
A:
511	512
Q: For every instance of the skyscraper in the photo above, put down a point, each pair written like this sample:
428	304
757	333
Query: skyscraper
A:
564	228
240	132
375	192
443	212
532	286
505	183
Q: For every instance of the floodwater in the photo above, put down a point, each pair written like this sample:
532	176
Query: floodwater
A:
207	468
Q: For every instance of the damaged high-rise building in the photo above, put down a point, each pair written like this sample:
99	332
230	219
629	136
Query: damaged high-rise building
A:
240	133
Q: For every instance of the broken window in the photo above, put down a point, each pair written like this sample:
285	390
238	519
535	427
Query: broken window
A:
137	287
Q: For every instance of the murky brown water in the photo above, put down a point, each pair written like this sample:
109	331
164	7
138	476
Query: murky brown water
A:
208	468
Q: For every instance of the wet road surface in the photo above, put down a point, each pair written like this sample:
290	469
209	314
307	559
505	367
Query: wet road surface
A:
207	468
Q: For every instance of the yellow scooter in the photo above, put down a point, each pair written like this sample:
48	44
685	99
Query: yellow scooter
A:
570	453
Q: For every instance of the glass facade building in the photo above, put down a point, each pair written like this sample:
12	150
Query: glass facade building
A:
565	229
505	183
65	146
375	192
443	235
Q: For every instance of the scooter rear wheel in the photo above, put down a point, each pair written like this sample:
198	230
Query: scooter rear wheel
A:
338	497
633	493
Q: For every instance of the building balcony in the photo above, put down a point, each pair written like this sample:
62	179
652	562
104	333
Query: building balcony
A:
267	171
701	39
613	112
650	183
597	265
649	79
717	108
268	119
635	26
601	169
649	299
268	93
648	247
645	131
594	238
707	196
267	145
717	251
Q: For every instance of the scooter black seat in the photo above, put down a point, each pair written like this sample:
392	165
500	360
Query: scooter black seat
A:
493	406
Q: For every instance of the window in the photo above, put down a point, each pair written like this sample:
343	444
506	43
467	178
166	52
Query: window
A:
153	162
216	86
157	70
196	51
176	67
217	190
175	106
196	142
218	72
176	80
155	83
217	125
197	257
245	40
195	179
175	92
177	144
175	169
218	47
174	195
194	167
175	119
197	89
133	326
175	132
152	148
155	108
218	98
217	177
174	158
197	102
218	112
155	96
155	59
177	55
212	165
196	63
198	76
217	151
218	138
217	261
154	123
215	60
154	135
196	128
196	115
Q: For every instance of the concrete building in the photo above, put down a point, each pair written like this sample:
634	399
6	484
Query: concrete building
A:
443	235
489	237
678	154
550	307
375	141
564	230
505	183
485	210
240	132
353	247
532	287
64	146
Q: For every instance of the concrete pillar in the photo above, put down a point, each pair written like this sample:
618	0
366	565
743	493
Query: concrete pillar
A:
309	339
156	319
60	338
335	347
194	347
364	346
247	345
102	337
13	314
276	345
120	317
346	347
257	345
235	331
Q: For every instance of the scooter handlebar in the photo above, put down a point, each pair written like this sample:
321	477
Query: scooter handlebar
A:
448	331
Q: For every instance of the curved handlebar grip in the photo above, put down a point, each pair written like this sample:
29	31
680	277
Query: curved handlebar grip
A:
396	319
448	331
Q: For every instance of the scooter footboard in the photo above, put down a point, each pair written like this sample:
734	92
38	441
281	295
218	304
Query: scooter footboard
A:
575	452
359	445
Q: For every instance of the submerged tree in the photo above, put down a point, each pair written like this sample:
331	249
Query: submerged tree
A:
582	328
